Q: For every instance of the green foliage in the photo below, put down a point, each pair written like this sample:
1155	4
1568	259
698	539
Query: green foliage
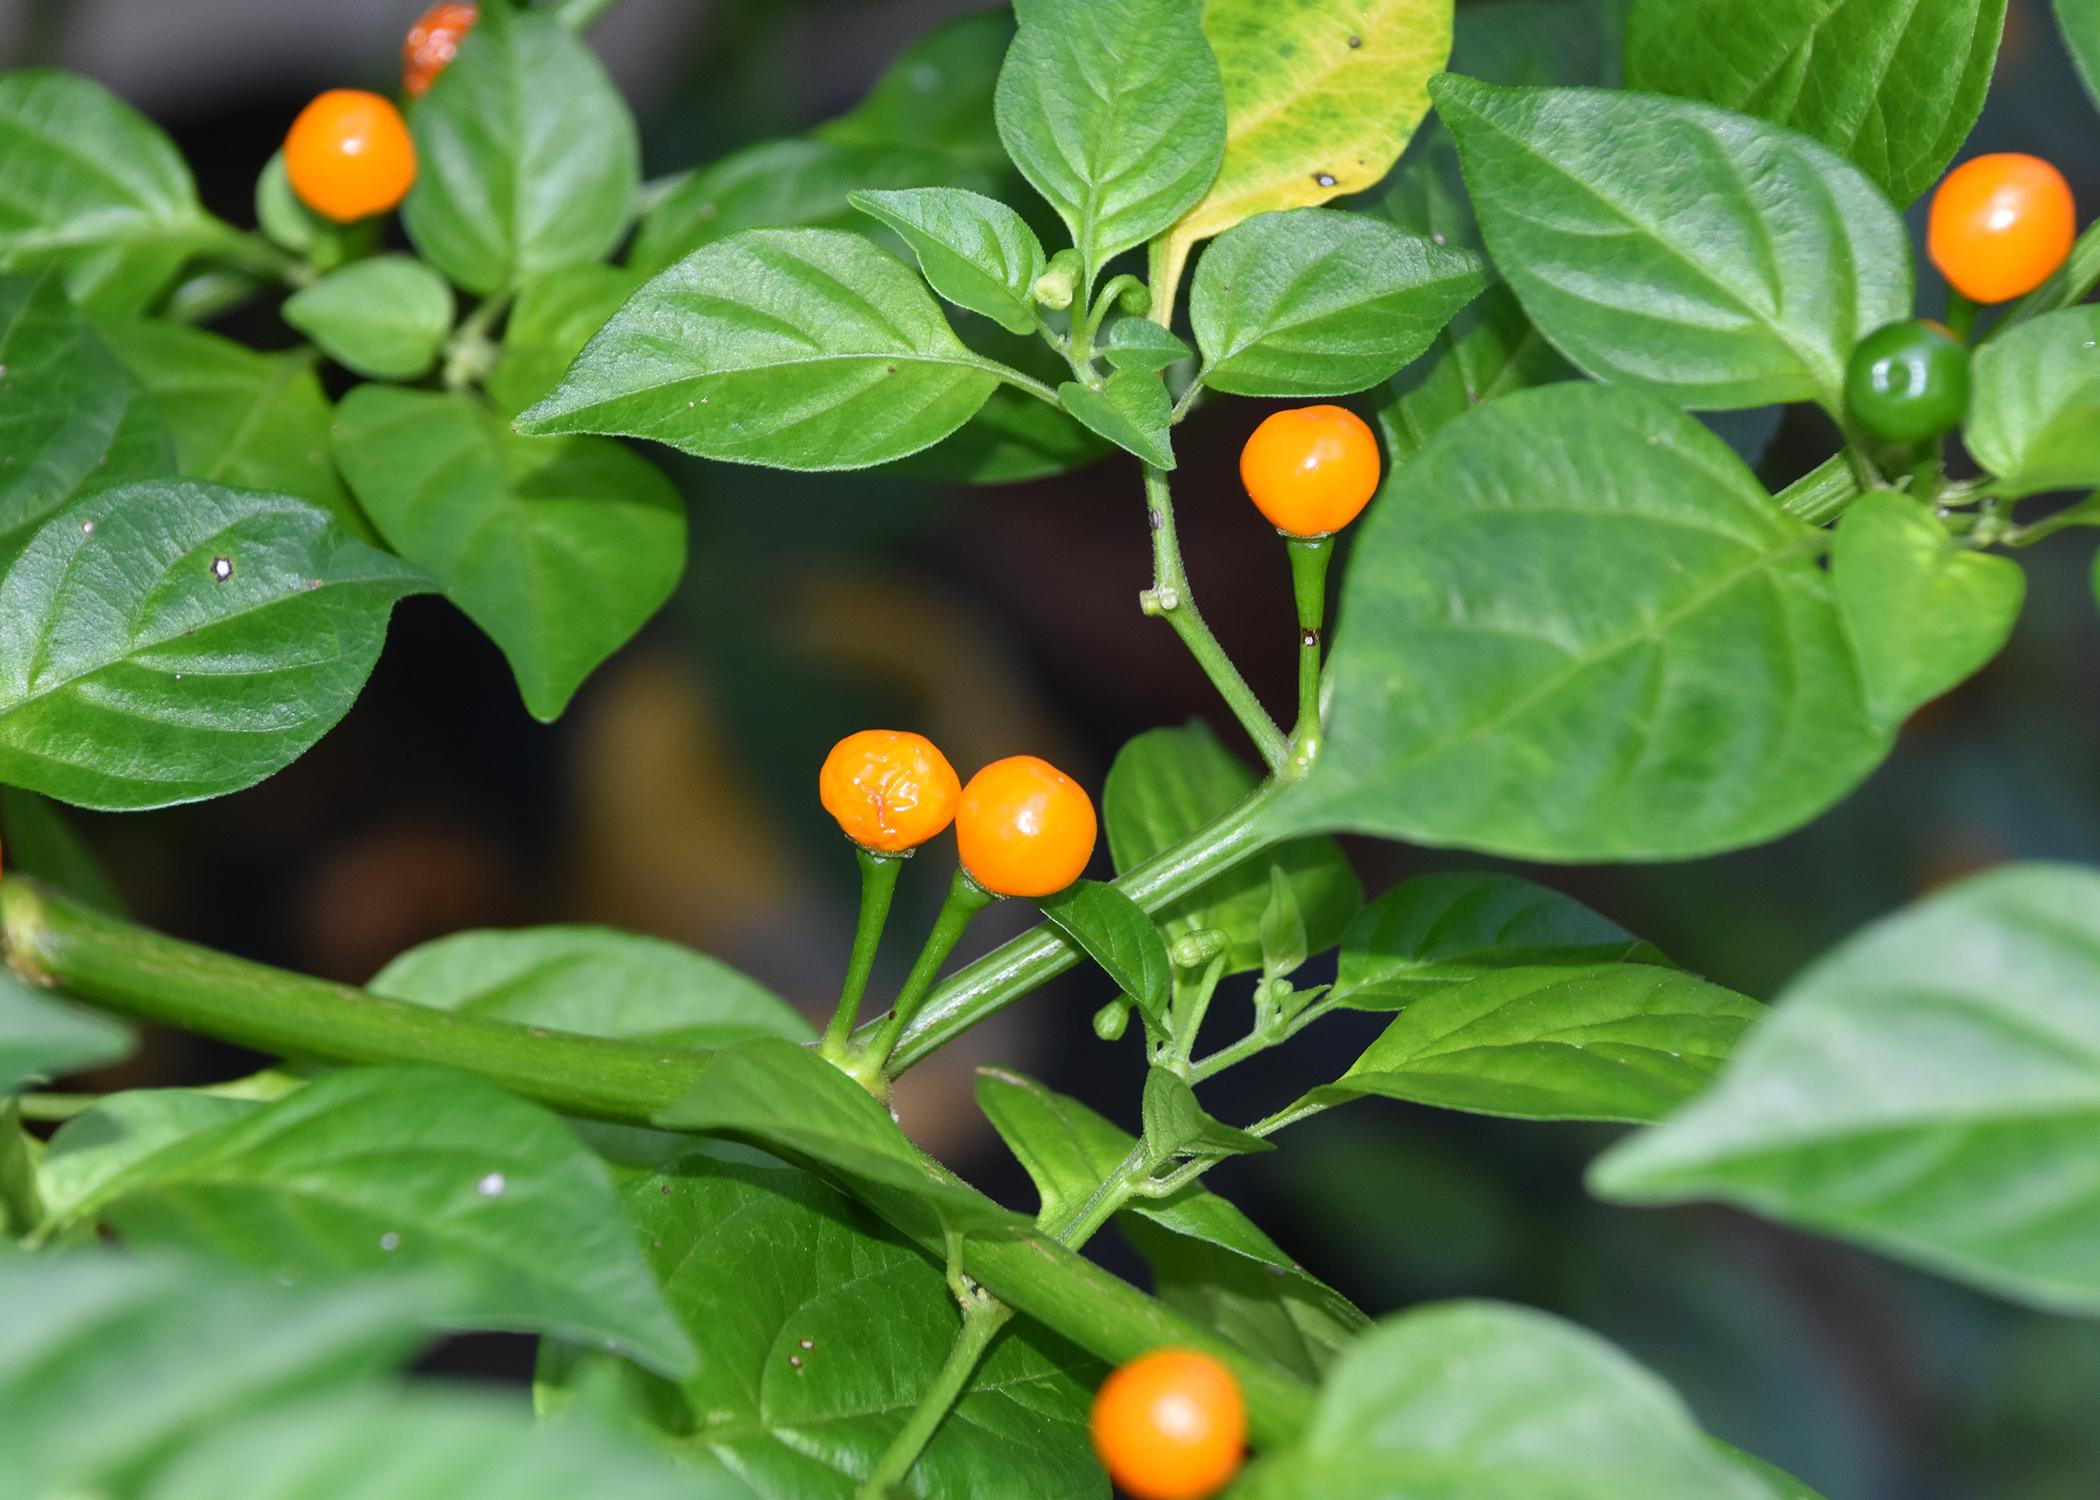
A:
42	1038
1176	1124
2080	22
385	318
561	551
41	841
1895	85
1114	112
1131	409
1117	935
1489	350
1676	247
1141	344
1316	302
975	251
553	318
1963	1142
2034	423
526	159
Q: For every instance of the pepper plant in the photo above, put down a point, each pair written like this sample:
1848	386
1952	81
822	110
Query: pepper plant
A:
1573	626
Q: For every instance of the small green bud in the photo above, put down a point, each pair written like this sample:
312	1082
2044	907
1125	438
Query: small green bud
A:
1111	1020
1054	288
1196	949
1136	299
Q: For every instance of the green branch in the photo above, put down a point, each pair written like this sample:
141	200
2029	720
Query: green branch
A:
983	1317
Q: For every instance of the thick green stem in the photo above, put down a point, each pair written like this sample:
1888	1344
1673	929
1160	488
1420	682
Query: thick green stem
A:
983	1317
1822	495
1962	313
1171	599
878	885
966	898
1309	559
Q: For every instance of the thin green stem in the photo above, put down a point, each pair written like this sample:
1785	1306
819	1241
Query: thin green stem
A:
1171	599
1822	495
2085	512
1186	404
1962	313
220	241
1106	298
982	1319
1080	1223
1309	559
2071	285
1020	381
966	898
1188	1018
878	885
1929	471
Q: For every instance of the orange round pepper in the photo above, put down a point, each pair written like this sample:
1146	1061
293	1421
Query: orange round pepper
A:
433	42
349	155
890	790
1311	470
1024	828
2001	226
1170	1425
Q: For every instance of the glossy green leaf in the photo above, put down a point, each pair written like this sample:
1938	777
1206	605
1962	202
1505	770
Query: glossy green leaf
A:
1013	437
1131	409
1612	1042
429	1444
1320	98
1317	302
2080	23
1479	1401
593	981
1931	1089
553	318
1141	344
106	1360
1115	113
2034	416
797	348
1209	1260
189	640
1711	258
526	158
95	1149
792	1102
1490	350
1895	85
1923	614
386	317
91	186
407	1168
40	840
974	250
42	1038
239	416
1115	932
822	1329
937	95
71	420
1435	931
1166	784
1177	1124
1577	628
561	551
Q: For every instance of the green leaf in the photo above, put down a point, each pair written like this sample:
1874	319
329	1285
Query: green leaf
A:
1115	932
239	417
1115	113
592	981
1284	947
1490	350
1922	613
1613	1042
1475	1399
1177	1124
1435	931
1931	1090
561	551
1317	302
402	1168
442	1444
1320	98
174	1347
2080	23
974	250
289	223
385	318
1013	437
526	158
42	1039
1132	410
90	185
1141	344
2034	418
1784	1486
1713	259
796	348
1209	1260
792	1102
1166	784
1577	628
41	841
70	419
189	640
553	318
937	95
92	1152
822	1330
1895	85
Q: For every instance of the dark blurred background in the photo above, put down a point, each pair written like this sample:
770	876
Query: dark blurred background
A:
677	795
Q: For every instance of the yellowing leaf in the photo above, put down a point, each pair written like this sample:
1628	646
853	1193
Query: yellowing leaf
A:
1320	98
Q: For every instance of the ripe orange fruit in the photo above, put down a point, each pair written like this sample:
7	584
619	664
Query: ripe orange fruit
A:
2001	225
1311	470
889	789
1170	1425
349	155
433	42
1024	828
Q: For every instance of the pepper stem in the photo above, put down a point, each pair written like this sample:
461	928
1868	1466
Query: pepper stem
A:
878	884
1309	558
966	898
